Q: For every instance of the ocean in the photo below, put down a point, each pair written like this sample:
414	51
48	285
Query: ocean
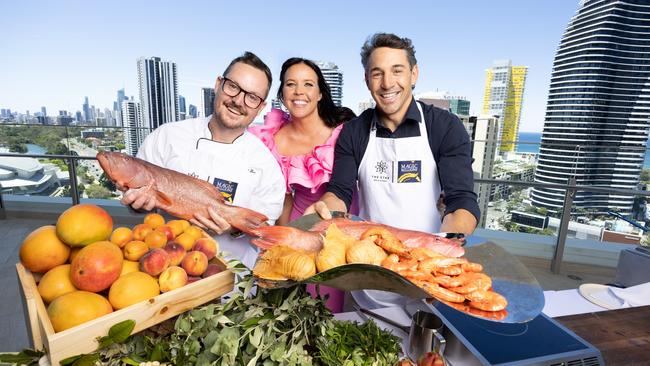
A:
536	137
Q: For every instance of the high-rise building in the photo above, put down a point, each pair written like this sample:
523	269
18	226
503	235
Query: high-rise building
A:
191	110
503	97
207	101
334	79
456	104
86	110
43	112
78	116
132	123
276	103
484	134
181	107
158	89
365	104
598	108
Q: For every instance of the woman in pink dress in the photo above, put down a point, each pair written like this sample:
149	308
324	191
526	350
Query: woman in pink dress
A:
303	142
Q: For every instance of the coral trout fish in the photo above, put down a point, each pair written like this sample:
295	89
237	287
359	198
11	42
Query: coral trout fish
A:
312	240
176	193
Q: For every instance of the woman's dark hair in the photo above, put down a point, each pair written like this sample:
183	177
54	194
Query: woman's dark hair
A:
327	110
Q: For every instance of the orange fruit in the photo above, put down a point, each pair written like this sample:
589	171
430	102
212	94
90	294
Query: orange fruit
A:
195	231
84	224
186	240
42	250
121	236
56	282
177	227
132	288
135	249
154	220
129	266
155	239
141	230
74	308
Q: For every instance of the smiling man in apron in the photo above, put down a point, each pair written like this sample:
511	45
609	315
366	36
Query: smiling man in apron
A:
218	149
402	154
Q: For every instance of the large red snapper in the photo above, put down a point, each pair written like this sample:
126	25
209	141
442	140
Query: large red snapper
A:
176	193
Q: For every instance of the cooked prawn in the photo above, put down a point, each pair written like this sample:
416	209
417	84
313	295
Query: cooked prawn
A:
449	271
424	253
395	264
387	241
489	301
471	267
496	315
449	281
431	264
440	293
417	276
481	280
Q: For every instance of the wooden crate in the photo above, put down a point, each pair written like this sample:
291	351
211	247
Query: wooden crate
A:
83	337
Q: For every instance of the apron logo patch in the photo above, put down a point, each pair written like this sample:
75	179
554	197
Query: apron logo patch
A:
383	171
409	171
226	188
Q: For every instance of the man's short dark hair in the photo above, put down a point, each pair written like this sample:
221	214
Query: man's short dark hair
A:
389	40
249	58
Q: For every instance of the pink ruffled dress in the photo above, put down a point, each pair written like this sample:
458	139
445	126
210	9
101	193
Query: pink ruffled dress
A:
305	175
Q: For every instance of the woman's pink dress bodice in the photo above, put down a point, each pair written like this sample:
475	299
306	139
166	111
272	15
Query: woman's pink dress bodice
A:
305	175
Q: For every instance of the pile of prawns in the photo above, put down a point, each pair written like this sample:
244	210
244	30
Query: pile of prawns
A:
455	281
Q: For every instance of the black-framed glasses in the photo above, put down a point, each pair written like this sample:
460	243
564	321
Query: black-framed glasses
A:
232	89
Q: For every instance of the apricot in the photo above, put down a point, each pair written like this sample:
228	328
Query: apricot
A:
96	266
84	224
154	261
135	249
56	282
131	289
172	278
176	226
155	239
186	240
176	253
154	220
121	236
167	230
77	307
140	231
184	224
195	263
129	266
195	231
207	245
42	250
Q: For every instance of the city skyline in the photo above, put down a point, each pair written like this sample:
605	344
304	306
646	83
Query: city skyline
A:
454	44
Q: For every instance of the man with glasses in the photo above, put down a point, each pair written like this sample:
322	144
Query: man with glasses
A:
218	149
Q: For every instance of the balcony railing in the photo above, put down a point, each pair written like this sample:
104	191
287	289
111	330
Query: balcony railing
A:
76	163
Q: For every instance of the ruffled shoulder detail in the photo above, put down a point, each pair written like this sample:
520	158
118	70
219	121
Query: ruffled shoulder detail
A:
310	170
273	122
314	169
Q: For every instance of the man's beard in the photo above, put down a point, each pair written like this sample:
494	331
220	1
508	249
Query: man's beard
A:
221	121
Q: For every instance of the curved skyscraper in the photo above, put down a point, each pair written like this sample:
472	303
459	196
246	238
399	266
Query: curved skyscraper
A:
598	109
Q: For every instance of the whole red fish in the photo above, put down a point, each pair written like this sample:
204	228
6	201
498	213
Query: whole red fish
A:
176	193
312	240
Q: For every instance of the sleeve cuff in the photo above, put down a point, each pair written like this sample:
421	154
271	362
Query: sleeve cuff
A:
466	203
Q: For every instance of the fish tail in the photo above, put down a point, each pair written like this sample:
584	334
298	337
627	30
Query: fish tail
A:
244	219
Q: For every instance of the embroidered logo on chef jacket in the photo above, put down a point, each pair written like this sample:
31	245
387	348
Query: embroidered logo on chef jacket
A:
383	171
227	189
409	171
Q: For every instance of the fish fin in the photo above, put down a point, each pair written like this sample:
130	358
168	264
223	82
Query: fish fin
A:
163	198
244	219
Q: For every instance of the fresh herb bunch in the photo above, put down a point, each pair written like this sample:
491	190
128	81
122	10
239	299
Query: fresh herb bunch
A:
274	327
350	344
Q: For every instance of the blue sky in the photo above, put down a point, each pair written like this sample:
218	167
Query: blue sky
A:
56	52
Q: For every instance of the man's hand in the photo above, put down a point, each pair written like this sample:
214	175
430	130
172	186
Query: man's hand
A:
320	208
139	198
214	223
